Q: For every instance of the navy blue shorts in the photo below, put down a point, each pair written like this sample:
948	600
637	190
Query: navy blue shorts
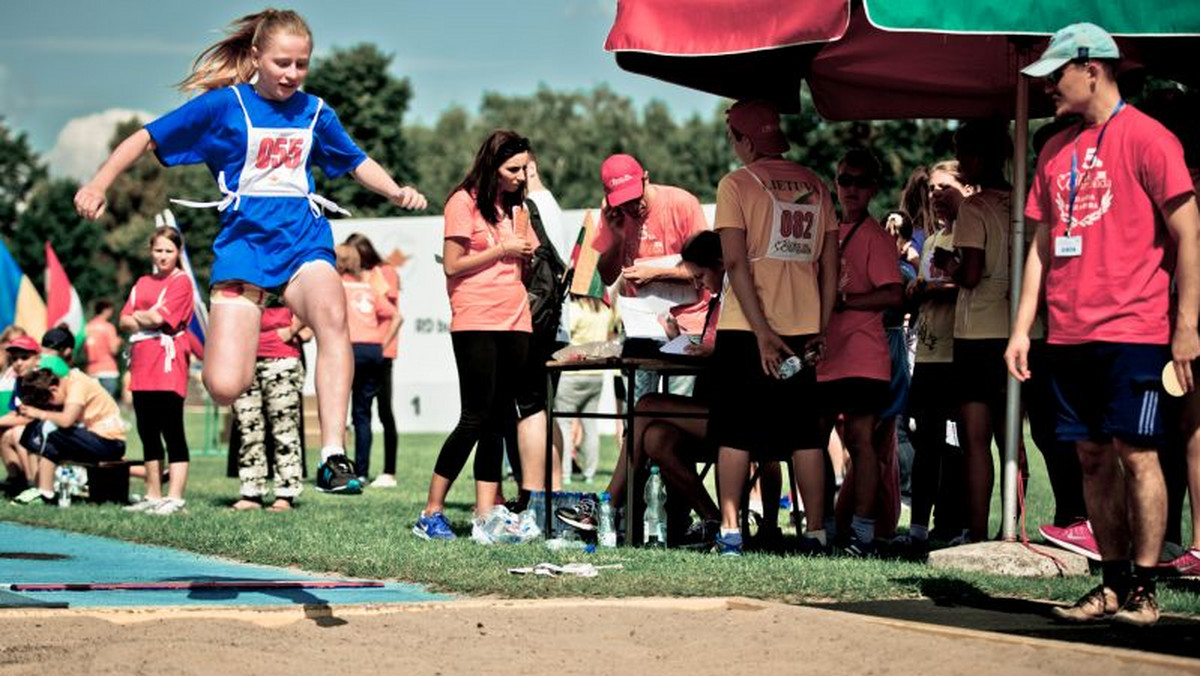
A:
70	443
1107	391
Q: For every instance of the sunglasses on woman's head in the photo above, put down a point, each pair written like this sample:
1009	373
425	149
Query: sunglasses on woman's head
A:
514	146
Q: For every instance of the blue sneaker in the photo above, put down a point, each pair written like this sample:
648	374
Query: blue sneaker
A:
433	527
336	475
728	544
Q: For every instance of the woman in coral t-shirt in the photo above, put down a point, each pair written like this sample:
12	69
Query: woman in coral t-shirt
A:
369	317
483	256
385	279
156	315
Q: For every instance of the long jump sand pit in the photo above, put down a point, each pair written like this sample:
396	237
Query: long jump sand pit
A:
561	637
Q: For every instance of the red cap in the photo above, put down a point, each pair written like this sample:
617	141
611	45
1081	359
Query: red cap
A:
23	343
760	121
622	178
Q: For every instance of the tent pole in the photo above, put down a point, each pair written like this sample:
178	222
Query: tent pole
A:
1014	430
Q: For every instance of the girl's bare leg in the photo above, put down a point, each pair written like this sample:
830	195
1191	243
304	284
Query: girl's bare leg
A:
315	295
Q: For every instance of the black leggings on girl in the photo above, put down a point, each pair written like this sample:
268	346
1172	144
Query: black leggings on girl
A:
490	363
159	418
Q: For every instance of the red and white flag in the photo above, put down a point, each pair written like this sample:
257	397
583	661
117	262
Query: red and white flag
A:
62	302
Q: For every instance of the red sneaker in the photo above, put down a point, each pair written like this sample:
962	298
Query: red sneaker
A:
1076	538
1186	564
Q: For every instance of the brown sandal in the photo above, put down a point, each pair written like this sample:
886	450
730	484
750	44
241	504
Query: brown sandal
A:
280	505
246	505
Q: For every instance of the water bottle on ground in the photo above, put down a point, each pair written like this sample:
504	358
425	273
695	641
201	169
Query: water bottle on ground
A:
654	523
62	482
607	530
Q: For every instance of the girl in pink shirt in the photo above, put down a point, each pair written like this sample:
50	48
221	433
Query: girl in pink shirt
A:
156	315
483	256
384	277
369	316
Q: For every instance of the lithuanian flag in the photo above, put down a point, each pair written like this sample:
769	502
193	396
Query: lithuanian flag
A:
585	259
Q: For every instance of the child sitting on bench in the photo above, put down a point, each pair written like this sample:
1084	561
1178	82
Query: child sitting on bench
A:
74	419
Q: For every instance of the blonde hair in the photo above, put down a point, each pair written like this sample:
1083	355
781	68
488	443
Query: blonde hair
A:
348	260
229	61
949	167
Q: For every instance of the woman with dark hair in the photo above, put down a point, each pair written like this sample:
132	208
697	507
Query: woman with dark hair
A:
484	255
156	316
386	281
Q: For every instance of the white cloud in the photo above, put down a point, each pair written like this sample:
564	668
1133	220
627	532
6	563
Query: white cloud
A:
83	143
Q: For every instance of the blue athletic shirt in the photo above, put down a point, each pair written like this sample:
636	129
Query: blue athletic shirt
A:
264	239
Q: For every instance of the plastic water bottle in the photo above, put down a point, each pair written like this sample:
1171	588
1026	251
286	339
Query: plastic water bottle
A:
607	527
495	522
654	523
62	480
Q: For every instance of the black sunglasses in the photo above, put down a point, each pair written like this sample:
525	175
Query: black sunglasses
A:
1057	73
19	353
852	181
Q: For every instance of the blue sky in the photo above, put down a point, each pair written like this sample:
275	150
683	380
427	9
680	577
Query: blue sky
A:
61	60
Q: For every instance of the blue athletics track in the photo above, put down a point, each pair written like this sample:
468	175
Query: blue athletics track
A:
122	574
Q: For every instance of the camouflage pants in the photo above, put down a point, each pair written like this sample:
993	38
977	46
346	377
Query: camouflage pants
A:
272	406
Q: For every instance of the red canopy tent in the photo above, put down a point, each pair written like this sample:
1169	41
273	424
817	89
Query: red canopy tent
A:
894	59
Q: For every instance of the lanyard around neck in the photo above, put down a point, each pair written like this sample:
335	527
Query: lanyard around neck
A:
1078	178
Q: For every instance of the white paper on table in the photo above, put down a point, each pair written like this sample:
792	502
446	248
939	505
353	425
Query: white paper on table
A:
672	293
679	344
640	316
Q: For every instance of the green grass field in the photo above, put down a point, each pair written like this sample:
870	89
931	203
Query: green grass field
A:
369	536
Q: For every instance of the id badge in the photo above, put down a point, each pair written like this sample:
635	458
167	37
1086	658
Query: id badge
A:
1068	247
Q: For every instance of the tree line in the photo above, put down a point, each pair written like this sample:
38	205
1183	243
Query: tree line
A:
571	133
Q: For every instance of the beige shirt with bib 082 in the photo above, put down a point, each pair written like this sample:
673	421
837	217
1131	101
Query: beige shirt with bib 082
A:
785	210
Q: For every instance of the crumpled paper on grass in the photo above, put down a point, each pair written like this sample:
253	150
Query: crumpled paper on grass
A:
574	569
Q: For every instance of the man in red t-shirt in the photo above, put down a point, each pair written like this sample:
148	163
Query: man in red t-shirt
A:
1109	196
639	223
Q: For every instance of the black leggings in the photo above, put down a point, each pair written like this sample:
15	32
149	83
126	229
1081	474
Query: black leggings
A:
387	418
159	418
489	365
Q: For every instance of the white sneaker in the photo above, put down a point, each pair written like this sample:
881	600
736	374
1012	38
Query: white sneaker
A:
168	507
384	481
144	505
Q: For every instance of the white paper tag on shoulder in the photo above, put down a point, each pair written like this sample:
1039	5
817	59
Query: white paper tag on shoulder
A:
951	433
1068	247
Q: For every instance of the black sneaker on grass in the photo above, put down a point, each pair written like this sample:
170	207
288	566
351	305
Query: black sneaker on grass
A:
585	515
336	475
701	535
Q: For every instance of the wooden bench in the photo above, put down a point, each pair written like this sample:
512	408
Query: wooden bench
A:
108	480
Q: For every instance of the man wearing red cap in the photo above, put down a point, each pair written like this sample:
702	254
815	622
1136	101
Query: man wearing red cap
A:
779	241
641	221
1112	197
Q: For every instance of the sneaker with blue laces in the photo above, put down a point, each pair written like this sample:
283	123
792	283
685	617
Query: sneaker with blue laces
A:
433	527
336	475
728	544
